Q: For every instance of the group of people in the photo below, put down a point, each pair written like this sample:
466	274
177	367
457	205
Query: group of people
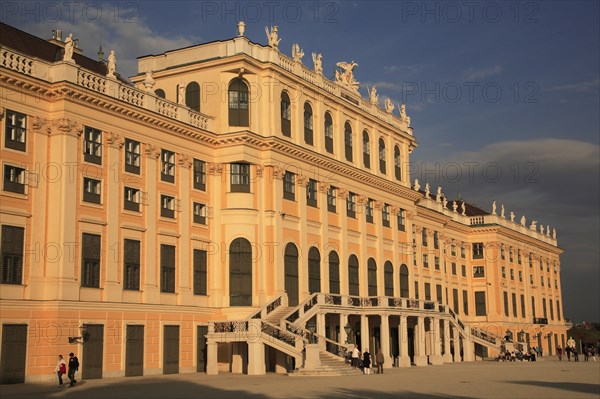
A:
513	356
363	361
62	367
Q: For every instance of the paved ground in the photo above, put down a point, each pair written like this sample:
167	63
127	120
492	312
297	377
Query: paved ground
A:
546	379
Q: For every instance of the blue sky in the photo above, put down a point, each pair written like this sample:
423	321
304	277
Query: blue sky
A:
509	87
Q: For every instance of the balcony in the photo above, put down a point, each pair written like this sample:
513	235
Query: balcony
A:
540	320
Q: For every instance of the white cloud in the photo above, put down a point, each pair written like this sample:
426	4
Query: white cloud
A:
590	85
477	74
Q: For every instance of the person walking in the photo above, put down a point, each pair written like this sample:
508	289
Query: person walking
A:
568	350
73	368
367	361
355	355
559	352
60	369
380	360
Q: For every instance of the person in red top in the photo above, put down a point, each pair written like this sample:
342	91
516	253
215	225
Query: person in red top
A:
60	369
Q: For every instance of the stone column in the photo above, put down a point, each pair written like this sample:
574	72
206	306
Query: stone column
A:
436	358
256	358
456	345
237	358
281	363
447	355
384	333
364	332
343	322
404	360
468	349
420	357
212	367
320	319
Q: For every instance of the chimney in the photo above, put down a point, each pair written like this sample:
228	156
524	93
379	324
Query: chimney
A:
59	35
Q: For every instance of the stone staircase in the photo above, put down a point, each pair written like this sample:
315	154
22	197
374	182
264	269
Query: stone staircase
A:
330	366
275	316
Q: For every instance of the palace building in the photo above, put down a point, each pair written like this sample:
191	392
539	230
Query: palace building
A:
231	209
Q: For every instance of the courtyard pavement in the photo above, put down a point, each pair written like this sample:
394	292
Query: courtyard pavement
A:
544	379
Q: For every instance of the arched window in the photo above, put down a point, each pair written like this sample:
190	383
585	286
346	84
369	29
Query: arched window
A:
382	156
192	96
328	125
160	93
397	163
372	277
314	270
404	281
286	115
348	141
308	124
238	103
366	150
334	273
353	279
388	278
240	273
290	261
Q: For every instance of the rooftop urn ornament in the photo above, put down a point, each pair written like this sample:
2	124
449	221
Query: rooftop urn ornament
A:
502	211
345	74
494	208
454	207
273	36
111	65
523	221
373	97
438	195
318	63
389	106
512	216
68	49
297	53
241	28
444	202
463	209
427	191
417	186
149	81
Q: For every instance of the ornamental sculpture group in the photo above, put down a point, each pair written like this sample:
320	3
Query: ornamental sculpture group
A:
344	73
111	62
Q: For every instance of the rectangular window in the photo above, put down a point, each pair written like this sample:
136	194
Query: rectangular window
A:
478	250
131	266
311	193
91	190
462	251
533	306
240	177
455	300
14	179
510	254
167	268
556	284
132	156
531	279
167	206
167	170
551	309
92	145
523	306
453	250
199	213
480	307
329	137
519	256
544	308
424	236
436	242
558	309
199	175
425	260
478	271
90	260
542	281
416	290
503	272
465	302
463	270
11	248
351	205
401	220
453	269
369	211
520	276
15	131
289	186
502	256
200	275
131	199
437	262
331	199
438	294
512	274
514	304
427	292
385	215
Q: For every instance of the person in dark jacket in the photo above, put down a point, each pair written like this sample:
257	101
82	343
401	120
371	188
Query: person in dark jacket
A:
367	361
73	368
380	360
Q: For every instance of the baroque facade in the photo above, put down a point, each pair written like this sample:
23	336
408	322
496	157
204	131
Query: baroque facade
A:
234	210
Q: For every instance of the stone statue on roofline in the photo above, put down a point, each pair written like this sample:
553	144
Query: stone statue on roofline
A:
373	97
68	56
463	209
111	64
548	231
454	207
273	36
417	186
554	233
318	63
512	216
502	211
438	195
445	202
297	53
345	75
533	225
494	208
389	106
427	191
